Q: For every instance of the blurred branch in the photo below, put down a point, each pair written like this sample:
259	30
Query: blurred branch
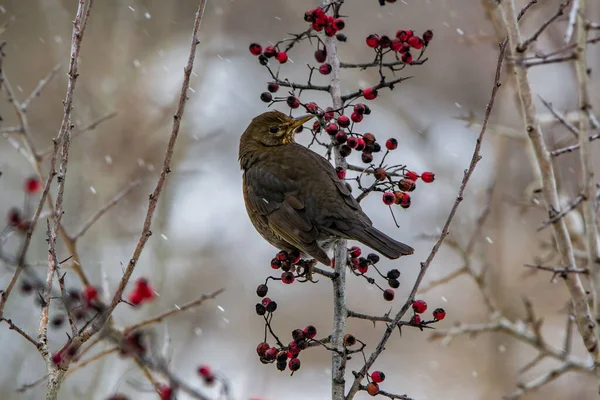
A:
38	90
520	48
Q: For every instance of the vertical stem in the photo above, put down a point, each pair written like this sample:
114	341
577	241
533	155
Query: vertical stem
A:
581	309
340	309
587	168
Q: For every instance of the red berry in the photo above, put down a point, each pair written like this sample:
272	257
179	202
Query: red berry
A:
388	294
380	174
407	58
388	198
325	69
439	314
370	93
310	331
413	176
90	294
282	57
332	128
427	36
369	138
33	185
362	268
409	34
341	172
419	306
415	42
316	27
352	142
405	203
165	392
272	87
330	30
276	263
329	114
293	349
354	251
341	137
262	348
266	301
373	389
396	45
271	353
255	49
360	108
378	376
391	144
287	277
293	102
205	371
356	117
270	51
367	158
339	24
401	35
311	107
345	150
428	177
360	144
343	121
416	320
373	40
294	364
135	297
57	358
385	42
14	217
320	55
399	197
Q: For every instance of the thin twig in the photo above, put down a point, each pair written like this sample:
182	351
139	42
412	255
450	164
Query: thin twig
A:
21	332
523	45
38	90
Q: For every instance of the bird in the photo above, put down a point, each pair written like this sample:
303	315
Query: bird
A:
294	197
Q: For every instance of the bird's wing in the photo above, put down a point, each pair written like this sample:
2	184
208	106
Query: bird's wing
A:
277	199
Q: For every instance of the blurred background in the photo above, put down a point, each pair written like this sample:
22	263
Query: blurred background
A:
131	63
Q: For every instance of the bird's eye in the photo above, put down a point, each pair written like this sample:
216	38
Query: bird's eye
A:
273	129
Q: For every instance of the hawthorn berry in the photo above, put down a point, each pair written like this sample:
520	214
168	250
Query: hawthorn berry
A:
288	277
407	185
90	295
407	58
294	364
282	356
413	176
276	263
385	42
273	87
341	137
352	142
419	306
270	354
360	144
339	24
362	268
376	147
165	392
349	340
354	251
311	107
298	335
373	389
428	177
399	197
370	93
366	157
33	185
266	97
262	290
263	60
135	298
439	314
341	172
204	370
14	217
369	138
321	55
282	57
401	35
293	349
345	150
255	49
330	30
373	258
378	376
427	36
394	283
262	348
415	42
310	331
380	174
293	102
415	320
388	294
391	144
343	121
271	307
341	37
332	128
388	198
396	45
393	274
260	309
270	51
329	114
325	69
405	203
373	40
356	117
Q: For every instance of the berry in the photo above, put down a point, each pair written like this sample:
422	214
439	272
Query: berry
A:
405	203
310	331
311	107
428	177
255	49
345	150
388	198
378	376
339	24
393	274
90	295
332	128
391	144
282	356
367	158
263	60
260	309
266	97
325	69
330	31
341	137
343	121
272	87
205	371
270	51
276	263
407	58
14	217
356	117
415	42
373	258
262	290
394	283
293	349
165	392
281	365
401	35
415	320
439	314
360	144
370	93
373	389
57	321
294	364
406	185
293	102
396	45
373	40
282	57
388	294
329	114
287	277
341	37
352	142
427	36
33	185
354	251
369	138
363	268
359	108
298	335
262	348
271	307
271	354
135	298
265	302
341	172
380	174
376	147
385	42
413	176
349	340
419	306
399	197
321	55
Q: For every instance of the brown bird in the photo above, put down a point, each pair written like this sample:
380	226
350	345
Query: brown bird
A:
294	197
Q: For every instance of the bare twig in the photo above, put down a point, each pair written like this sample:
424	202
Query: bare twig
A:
21	332
38	90
524	44
559	117
570	207
572	19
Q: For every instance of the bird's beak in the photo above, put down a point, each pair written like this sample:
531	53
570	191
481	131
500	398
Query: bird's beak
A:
300	121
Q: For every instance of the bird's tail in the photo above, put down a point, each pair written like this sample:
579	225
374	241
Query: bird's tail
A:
381	242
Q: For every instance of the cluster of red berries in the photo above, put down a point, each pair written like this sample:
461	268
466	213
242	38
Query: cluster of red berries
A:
320	21
360	266
268	52
376	378
300	340
401	45
15	217
142	292
286	261
406	184
419	307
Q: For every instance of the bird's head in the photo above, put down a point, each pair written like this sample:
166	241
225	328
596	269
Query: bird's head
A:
273	128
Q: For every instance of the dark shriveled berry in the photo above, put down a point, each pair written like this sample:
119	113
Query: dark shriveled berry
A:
349	340
394	283
388	294
373	258
262	290
272	87
393	274
294	364
266	97
271	307
260	309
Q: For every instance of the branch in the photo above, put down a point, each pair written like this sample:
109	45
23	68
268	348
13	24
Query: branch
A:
425	265
584	319
523	46
38	90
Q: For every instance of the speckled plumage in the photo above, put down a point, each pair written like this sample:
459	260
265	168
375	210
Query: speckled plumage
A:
294	197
